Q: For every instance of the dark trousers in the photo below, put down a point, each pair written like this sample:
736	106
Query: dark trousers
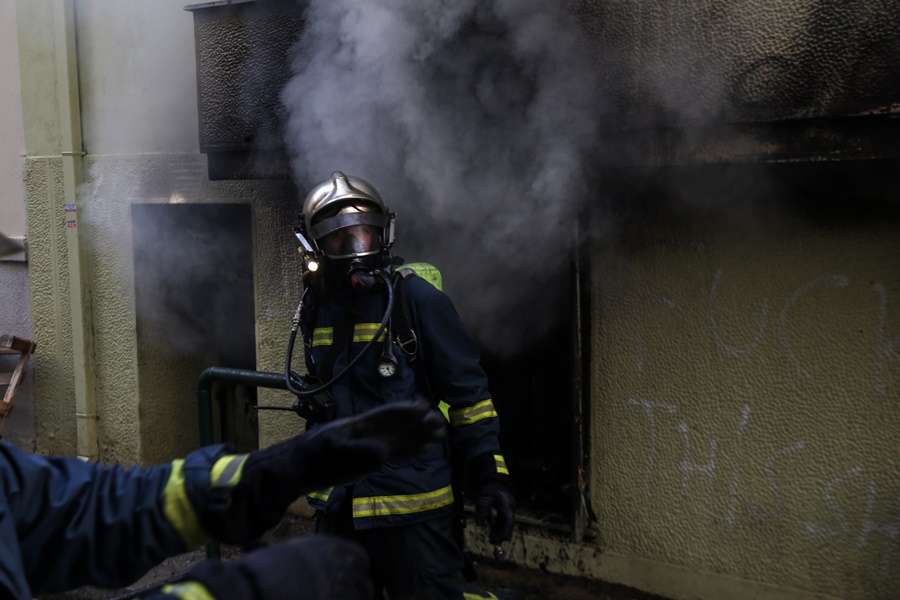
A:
421	561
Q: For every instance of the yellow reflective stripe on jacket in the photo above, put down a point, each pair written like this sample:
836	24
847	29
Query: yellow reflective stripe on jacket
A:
227	470
379	506
178	510
471	596
323	336
321	494
362	332
472	414
501	464
190	590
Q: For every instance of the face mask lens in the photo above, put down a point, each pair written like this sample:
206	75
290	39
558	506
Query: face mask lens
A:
350	241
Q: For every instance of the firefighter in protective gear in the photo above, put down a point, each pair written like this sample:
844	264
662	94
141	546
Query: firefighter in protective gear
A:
404	513
65	523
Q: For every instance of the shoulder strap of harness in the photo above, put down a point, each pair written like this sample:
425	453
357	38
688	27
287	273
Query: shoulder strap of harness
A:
402	323
401	317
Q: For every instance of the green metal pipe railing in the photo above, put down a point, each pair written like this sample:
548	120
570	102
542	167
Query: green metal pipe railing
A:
221	374
204	406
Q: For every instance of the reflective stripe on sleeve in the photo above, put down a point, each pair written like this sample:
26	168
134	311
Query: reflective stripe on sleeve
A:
377	506
501	464
472	414
227	470
471	596
178	510
190	590
321	494
322	336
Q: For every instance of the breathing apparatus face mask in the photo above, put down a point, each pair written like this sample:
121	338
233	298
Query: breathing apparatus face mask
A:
350	242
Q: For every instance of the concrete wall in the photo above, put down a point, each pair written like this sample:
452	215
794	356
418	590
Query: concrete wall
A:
15	308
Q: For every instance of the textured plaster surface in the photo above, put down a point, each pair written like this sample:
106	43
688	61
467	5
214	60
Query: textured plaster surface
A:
241	51
278	290
715	60
744	402
50	307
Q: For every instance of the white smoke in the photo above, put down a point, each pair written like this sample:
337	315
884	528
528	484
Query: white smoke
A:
472	119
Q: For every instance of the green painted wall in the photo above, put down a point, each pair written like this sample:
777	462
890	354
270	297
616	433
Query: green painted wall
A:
745	404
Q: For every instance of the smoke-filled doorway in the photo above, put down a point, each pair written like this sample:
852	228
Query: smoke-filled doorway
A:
537	393
194	307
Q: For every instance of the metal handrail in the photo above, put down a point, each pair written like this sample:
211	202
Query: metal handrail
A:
204	406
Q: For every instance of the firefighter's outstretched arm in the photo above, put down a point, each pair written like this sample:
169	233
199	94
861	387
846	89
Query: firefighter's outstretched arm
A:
250	493
66	523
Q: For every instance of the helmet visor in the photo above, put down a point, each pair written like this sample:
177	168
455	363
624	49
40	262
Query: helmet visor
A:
352	241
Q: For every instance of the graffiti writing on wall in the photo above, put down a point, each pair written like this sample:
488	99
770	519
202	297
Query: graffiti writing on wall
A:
886	350
727	483
698	466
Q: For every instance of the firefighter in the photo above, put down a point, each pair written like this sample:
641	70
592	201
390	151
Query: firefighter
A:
405	513
66	523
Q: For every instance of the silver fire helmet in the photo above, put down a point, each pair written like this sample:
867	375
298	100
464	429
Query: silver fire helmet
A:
345	217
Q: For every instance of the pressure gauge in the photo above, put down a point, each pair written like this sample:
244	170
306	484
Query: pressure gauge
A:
387	366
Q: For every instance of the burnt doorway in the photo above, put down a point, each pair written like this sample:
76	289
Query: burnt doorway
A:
538	394
194	309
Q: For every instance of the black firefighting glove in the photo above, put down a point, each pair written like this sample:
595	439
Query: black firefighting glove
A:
250	493
488	483
308	568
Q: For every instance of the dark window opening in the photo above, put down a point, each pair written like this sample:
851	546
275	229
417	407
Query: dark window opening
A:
194	308
536	392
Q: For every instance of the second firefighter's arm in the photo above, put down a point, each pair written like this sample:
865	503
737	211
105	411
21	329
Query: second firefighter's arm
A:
456	376
458	379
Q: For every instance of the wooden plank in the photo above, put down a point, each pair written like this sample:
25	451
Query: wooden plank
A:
10	344
16	344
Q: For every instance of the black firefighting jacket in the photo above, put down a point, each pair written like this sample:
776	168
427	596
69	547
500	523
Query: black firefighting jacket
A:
420	488
66	523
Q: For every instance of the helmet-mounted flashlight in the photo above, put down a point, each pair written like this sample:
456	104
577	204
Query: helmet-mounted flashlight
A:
310	262
310	255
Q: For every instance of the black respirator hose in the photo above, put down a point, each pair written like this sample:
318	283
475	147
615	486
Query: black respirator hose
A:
290	377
